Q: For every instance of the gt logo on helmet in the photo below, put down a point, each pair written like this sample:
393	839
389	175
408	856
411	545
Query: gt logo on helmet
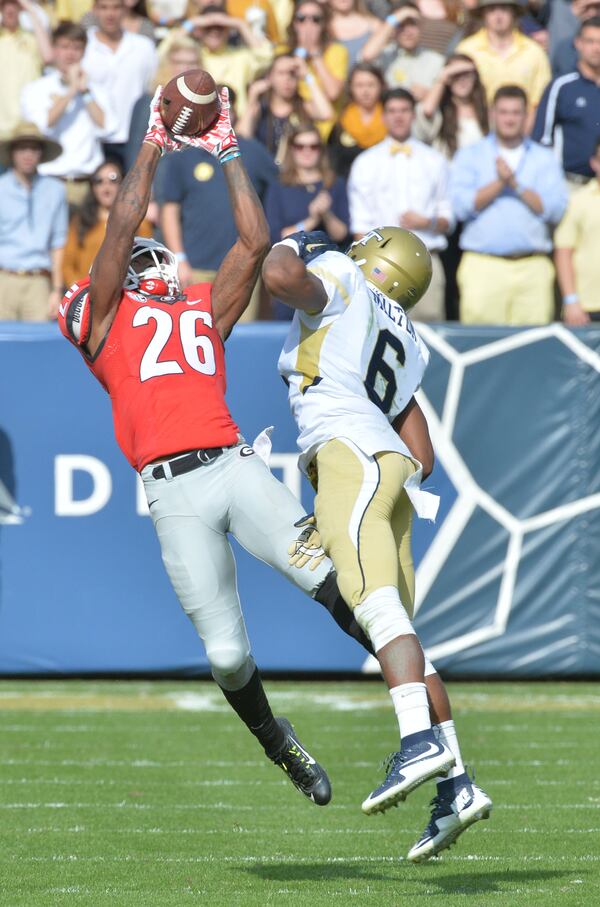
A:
395	261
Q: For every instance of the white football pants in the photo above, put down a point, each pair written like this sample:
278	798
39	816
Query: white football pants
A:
192	515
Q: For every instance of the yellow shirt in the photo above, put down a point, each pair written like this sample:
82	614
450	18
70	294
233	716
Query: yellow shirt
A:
232	66
335	58
283	10
72	9
21	63
525	65
239	8
579	230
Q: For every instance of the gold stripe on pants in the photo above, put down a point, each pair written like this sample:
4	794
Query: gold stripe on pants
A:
364	516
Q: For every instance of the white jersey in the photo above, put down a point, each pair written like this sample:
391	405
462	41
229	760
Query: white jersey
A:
353	367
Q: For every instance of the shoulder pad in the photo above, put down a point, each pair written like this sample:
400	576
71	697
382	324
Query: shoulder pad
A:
75	314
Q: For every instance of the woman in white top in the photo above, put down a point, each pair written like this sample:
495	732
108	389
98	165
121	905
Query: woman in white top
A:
453	114
352	25
454	111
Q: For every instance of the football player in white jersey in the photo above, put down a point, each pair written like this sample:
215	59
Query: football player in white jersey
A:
353	362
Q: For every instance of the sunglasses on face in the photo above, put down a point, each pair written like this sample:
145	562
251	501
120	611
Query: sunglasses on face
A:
305	17
109	178
306	146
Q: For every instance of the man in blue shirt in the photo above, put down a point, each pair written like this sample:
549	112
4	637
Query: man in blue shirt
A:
568	117
563	55
507	190
196	218
33	228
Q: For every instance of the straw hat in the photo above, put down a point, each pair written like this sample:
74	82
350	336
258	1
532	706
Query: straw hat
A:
28	132
518	4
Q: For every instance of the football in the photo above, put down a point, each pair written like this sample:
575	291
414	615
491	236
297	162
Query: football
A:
190	103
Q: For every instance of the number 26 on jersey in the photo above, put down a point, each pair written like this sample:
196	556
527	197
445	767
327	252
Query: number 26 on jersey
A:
197	349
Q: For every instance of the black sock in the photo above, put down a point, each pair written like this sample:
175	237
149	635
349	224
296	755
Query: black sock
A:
330	597
252	706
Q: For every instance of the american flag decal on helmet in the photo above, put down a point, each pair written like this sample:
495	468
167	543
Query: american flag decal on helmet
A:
378	274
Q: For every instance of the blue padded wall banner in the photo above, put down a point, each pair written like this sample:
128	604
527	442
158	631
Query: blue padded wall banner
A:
508	579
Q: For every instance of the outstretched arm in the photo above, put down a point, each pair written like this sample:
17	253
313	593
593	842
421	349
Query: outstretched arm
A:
39	32
129	209
110	265
286	276
240	268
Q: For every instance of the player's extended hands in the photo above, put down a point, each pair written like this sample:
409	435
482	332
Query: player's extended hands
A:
308	245
157	133
307	548
220	140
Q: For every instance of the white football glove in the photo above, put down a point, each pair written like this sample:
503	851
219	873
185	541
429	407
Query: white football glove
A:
157	131
220	140
307	548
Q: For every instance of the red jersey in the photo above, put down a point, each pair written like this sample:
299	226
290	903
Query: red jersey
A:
163	364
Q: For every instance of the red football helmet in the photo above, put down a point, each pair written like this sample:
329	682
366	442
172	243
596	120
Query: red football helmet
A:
152	270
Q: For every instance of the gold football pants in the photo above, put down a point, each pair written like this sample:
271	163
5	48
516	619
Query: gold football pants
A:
364	516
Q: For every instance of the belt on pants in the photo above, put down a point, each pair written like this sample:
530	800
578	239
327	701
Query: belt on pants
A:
515	256
33	272
192	460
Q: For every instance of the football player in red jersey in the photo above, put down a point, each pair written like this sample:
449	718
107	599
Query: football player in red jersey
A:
159	353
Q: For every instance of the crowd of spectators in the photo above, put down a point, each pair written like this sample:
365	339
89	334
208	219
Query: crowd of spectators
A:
473	123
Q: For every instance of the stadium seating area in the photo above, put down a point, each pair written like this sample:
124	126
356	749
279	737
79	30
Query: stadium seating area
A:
475	123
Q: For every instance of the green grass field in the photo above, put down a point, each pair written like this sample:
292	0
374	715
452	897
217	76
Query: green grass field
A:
154	794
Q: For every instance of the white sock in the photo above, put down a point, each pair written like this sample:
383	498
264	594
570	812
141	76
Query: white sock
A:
446	734
412	708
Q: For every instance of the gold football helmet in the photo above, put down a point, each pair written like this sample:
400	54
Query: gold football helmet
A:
395	261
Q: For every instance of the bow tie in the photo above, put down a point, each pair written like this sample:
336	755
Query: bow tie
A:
400	148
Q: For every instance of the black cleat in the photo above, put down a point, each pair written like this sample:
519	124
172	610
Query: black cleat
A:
300	767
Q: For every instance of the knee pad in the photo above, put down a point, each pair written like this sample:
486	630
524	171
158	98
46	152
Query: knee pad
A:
383	617
231	667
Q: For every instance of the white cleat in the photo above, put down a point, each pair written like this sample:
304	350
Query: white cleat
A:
455	808
406	770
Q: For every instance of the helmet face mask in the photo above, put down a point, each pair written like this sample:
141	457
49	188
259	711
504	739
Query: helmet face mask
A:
152	269
394	261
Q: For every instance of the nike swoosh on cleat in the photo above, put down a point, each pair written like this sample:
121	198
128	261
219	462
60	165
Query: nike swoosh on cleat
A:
303	752
434	750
